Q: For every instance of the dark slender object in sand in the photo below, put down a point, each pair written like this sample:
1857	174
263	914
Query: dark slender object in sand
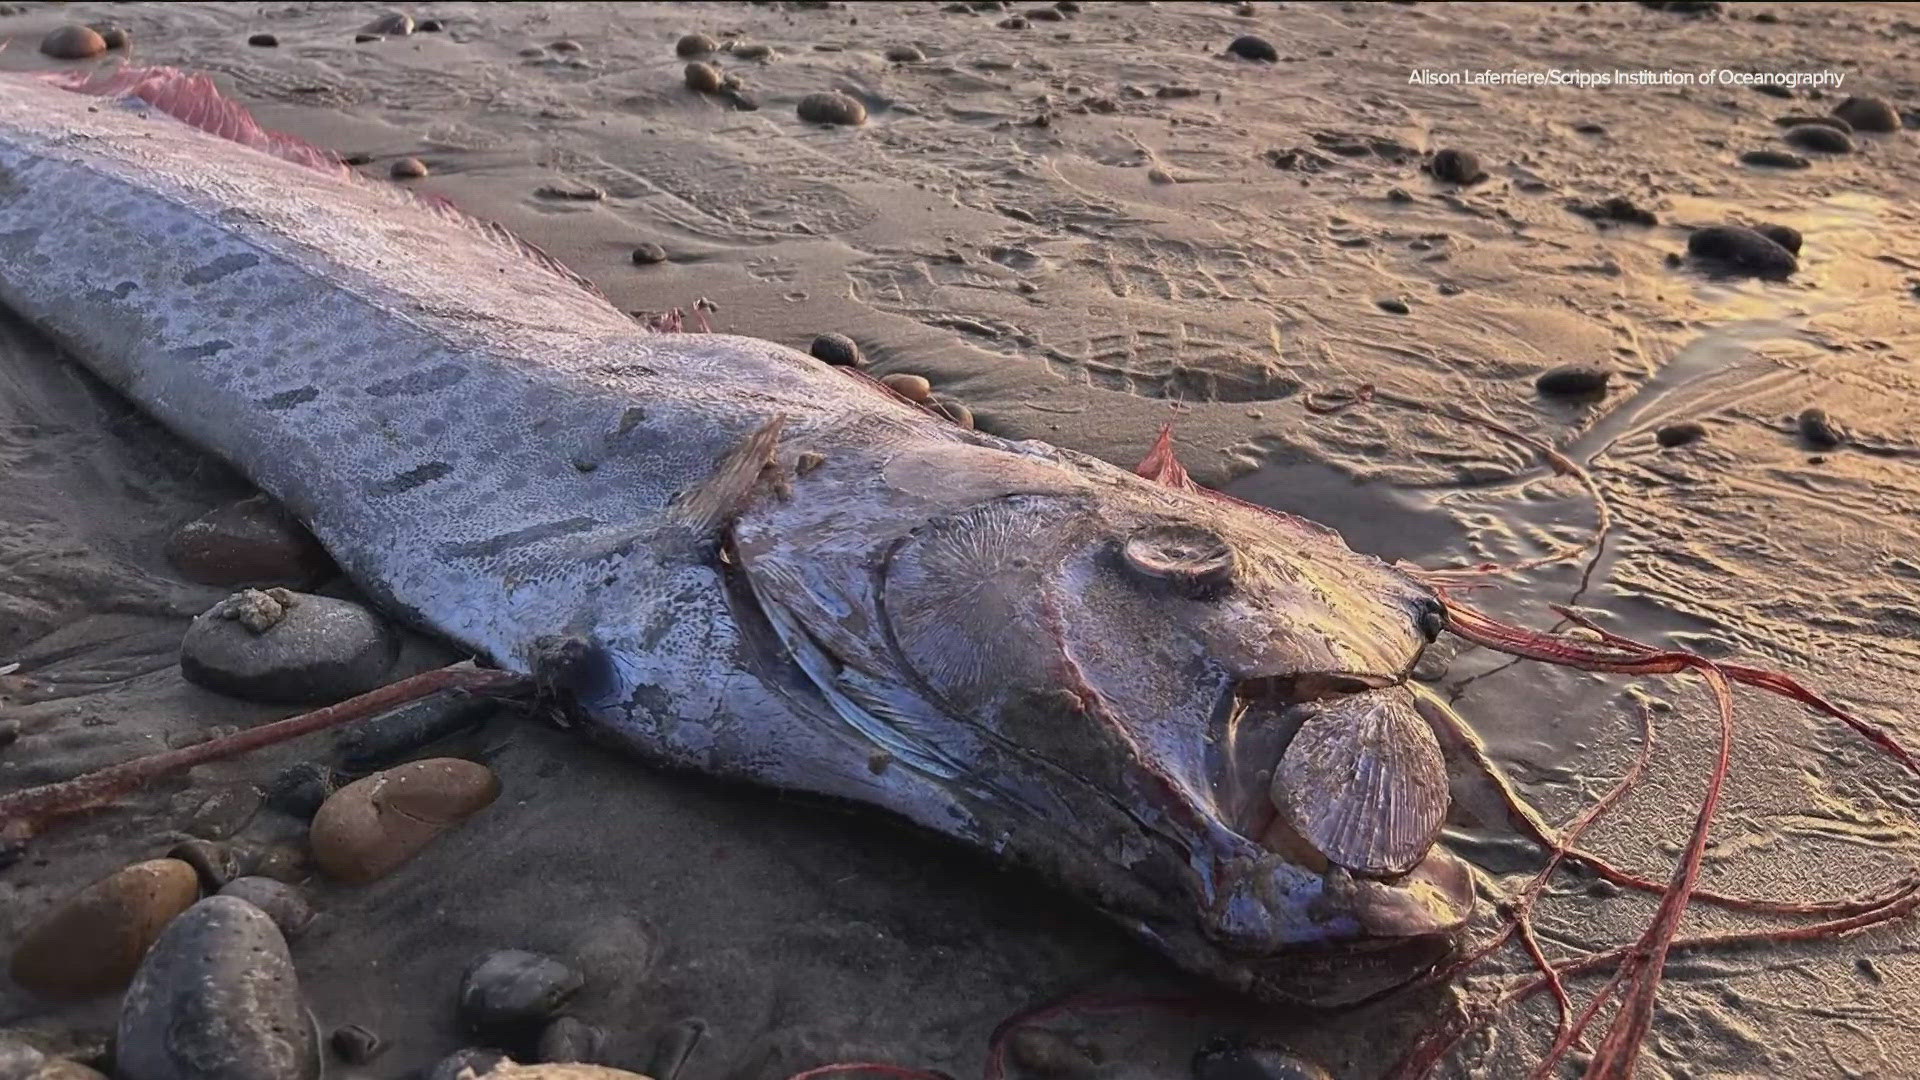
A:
24	813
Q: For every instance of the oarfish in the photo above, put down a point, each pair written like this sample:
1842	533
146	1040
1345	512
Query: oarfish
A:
1192	712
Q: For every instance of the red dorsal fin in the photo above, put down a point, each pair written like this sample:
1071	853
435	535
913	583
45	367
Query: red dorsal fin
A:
1160	463
194	100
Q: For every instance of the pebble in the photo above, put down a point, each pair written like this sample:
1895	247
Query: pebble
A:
1819	138
1818	429
280	862
1783	235
264	41
912	387
355	1045
1743	250
217	997
250	542
1071	7
743	100
1013	22
1774	159
1616	208
373	825
837	349
1833	122
73	42
386	739
649	253
471	1061
1249	47
93	941
695	45
510	993
703	78
363	37
1039	1052
1393	306
570	1039
213	863
1045	14
1399	195
1456	167
288	648
300	788
225	811
1680	434
115	37
1223	1059
832	107
430	26
9	732
1574	381
409	169
283	903
905	54
1868	114
753	51
954	412
391	24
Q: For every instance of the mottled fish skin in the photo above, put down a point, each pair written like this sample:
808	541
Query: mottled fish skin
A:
498	455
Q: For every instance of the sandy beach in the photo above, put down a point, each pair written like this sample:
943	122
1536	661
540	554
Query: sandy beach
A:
1082	228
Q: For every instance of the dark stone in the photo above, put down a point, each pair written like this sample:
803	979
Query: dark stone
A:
430	26
355	1045
509	995
288	648
1399	195
837	349
1783	235
1045	14
1819	138
115	37
264	41
1455	167
480	1060
214	863
1833	122
1819	430
649	253
390	24
301	787
1617	208
703	78
1742	250
1226	1059
1680	433
1012	22
1868	114
1574	381
217	997
694	45
832	107
73	42
570	1039
742	100
9	732
283	903
1249	47
1071	7
393	736
362	38
905	54
1393	306
251	542
1774	159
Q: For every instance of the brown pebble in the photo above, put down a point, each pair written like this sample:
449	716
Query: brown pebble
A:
369	828
93	941
954	411
363	38
73	42
703	78
1868	114
251	542
750	50
1819	138
391	24
264	41
409	169
912	387
1819	430
1680	433
695	45
905	54
832	107
649	253
115	37
1456	167
1574	381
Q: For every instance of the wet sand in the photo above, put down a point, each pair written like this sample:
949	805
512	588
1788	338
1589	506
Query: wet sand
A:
1083	229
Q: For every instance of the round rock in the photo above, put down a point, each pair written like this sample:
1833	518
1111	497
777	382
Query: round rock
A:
264	41
408	169
649	254
953	411
1868	114
1680	433
1742	250
217	998
695	45
1574	381
1819	138
1249	47
912	387
250	542
373	825
703	78
73	42
301	788
905	54
93	941
832	107
214	863
114	37
288	648
510	994
1774	159
837	349
1786	236
1456	167
391	24
1819	429
282	902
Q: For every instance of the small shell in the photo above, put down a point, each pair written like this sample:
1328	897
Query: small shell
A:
1185	554
1364	783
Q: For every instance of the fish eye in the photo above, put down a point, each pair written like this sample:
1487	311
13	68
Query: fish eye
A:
1194	560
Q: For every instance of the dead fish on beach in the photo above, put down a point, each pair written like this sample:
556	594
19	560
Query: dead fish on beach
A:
1192	712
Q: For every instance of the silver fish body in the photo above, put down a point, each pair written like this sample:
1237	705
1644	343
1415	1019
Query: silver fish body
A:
740	560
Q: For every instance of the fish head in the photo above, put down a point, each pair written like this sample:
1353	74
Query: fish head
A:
1192	711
